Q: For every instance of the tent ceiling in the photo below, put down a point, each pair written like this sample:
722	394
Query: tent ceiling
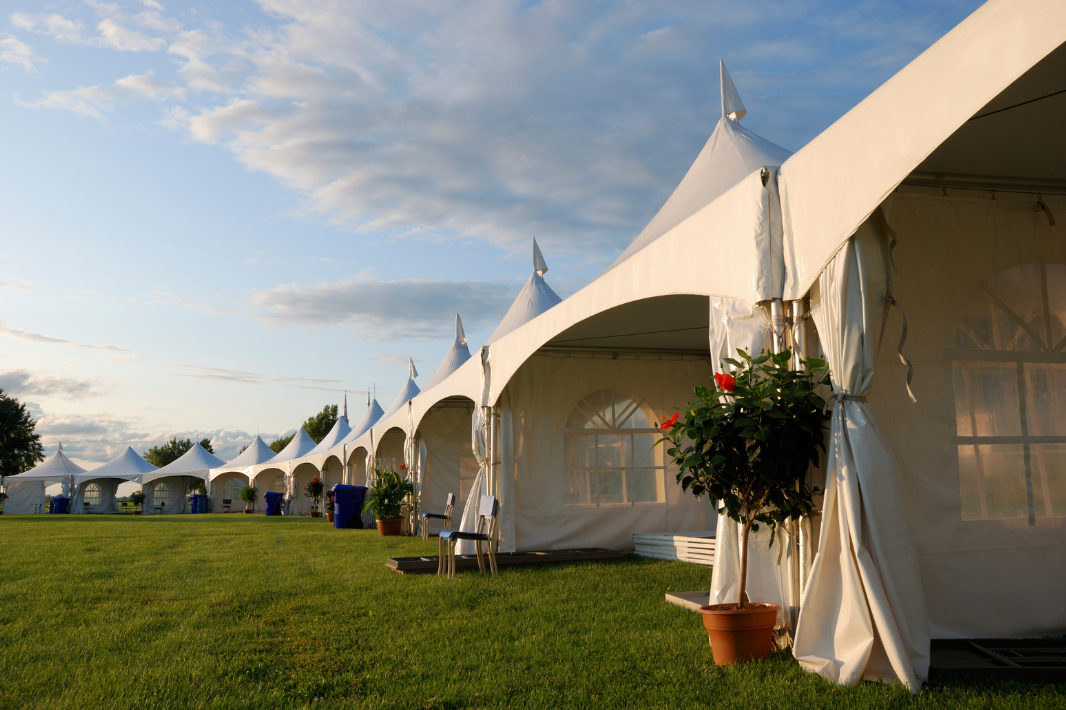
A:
662	324
1018	134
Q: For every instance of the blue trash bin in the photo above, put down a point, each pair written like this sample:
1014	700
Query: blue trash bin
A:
272	502
59	505
348	506
198	503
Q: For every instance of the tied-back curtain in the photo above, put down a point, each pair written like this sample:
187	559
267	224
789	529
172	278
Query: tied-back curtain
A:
735	325
479	444
863	612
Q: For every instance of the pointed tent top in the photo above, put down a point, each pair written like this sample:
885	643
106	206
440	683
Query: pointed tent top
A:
732	106
128	465
405	395
56	467
539	265
344	408
460	334
257	452
300	445
194	461
370	418
457	354
60	446
411	371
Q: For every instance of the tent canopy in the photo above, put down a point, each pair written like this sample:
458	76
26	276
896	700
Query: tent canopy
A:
457	354
406	394
370	417
128	466
535	298
55	469
257	452
196	462
335	436
300	446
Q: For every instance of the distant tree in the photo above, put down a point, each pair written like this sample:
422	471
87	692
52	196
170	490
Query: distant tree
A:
318	426
160	456
20	444
280	443
243	449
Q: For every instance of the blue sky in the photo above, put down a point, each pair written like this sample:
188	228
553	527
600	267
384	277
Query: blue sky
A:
220	216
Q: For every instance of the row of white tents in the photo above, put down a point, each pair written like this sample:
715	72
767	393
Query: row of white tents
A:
942	517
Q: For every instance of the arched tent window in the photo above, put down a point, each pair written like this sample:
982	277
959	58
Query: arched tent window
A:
611	457
93	494
161	493
1009	369
277	484
232	490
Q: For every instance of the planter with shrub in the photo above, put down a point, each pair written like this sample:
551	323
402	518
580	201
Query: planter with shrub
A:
386	500
313	490
748	443
249	494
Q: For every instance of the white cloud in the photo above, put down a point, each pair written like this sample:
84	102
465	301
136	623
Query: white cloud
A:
12	51
54	25
30	337
91	101
147	85
243	377
381	310
125	39
23	383
396	359
24	286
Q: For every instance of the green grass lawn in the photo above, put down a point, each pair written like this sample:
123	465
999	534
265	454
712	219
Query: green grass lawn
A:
244	611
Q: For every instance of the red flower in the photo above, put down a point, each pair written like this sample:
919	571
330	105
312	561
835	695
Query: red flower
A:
669	423
726	382
403	467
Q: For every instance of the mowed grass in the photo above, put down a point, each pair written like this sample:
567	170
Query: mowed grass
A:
244	611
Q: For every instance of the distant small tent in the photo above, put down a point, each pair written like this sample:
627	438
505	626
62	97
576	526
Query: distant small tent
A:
166	489
26	491
227	480
96	491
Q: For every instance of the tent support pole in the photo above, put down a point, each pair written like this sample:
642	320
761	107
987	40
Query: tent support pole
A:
777	323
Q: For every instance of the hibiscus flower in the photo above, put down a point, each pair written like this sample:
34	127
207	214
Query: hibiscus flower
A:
669	423
726	382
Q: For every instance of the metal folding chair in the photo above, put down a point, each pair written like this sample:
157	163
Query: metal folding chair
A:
486	531
227	503
446	516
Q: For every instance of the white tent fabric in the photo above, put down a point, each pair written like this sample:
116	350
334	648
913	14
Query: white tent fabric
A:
370	417
283	463
335	436
26	491
257	452
863	612
406	393
127	466
730	154
535	298
220	488
300	446
197	462
166	489
457	354
479	446
831	185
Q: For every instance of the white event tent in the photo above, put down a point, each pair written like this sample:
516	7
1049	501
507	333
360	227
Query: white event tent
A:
166	489
96	491
26	491
355	454
235	474
279	474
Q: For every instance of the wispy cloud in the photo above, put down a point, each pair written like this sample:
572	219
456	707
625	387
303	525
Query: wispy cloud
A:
243	377
24	286
30	337
111	33
23	383
382	310
156	298
12	51
53	25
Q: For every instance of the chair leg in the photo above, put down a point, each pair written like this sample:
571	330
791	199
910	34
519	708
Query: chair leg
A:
492	560
425	530
480	559
451	559
440	557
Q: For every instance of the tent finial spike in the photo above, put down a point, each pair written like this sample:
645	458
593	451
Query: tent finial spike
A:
539	265
460	334
411	371
732	106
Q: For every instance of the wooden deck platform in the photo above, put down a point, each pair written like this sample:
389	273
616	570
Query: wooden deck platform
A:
696	546
428	565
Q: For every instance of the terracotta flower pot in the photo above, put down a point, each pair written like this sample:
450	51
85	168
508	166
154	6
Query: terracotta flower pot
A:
329	517
247	511
740	635
316	514
393	526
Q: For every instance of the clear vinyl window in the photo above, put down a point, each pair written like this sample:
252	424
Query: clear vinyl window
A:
1009	370
277	485
610	452
92	494
232	490
161	493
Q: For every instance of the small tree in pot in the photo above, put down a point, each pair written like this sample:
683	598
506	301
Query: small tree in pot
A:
249	494
748	443
386	501
313	490
137	498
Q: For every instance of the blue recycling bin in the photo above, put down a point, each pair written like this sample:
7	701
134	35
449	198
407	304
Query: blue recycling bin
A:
348	504
59	505
272	502
198	503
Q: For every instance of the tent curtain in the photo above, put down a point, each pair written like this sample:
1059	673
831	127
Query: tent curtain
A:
863	612
735	325
24	497
479	444
108	496
177	502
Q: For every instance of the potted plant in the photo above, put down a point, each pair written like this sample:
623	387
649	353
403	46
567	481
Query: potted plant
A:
137	498
385	500
313	490
329	506
249	494
748	443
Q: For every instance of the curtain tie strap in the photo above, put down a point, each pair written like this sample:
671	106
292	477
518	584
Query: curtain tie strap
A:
843	397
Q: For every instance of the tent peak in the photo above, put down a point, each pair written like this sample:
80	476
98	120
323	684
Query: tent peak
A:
411	371
460	334
732	106
539	265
